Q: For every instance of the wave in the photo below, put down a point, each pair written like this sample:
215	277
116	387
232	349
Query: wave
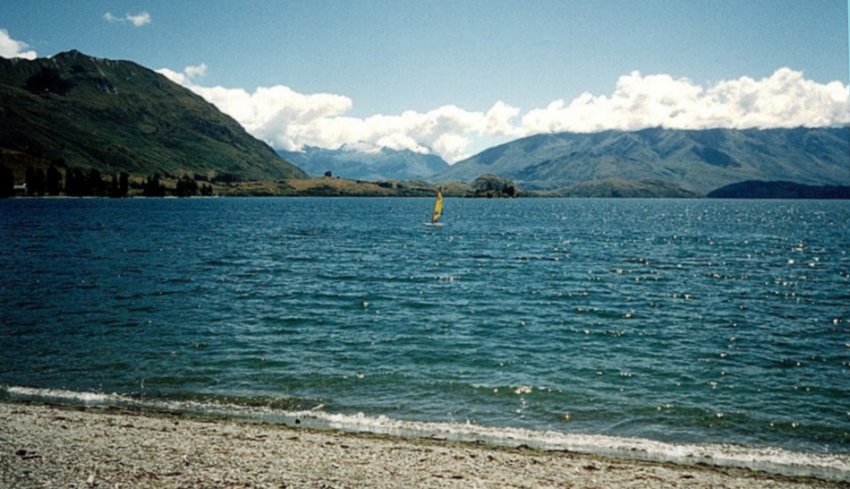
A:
835	467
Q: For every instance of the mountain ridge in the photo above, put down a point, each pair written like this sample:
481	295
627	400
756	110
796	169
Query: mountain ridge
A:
353	162
80	111
698	160
77	111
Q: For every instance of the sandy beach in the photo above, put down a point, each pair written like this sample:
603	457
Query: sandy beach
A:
49	446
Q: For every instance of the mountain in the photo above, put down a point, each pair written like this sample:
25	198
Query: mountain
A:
696	160
752	189
83	112
361	164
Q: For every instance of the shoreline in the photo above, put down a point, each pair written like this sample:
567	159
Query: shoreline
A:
63	446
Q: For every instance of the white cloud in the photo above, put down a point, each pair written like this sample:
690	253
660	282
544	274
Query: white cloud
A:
10	48
290	120
784	99
193	71
140	19
186	76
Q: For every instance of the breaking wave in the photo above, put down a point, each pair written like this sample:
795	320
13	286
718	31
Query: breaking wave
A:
834	467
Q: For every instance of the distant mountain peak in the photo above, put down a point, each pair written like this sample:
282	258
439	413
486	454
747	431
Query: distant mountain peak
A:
71	54
365	161
361	147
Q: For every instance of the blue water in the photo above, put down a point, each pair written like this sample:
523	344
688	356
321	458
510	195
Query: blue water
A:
680	321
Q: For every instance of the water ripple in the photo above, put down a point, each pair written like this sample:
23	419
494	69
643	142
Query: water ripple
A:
696	321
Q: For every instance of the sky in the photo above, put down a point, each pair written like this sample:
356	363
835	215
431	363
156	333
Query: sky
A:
454	77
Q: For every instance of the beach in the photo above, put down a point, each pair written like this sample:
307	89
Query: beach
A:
56	446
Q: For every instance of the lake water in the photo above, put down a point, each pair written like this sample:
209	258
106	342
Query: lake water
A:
687	330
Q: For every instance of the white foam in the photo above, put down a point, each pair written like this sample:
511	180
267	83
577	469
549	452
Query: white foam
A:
774	460
61	395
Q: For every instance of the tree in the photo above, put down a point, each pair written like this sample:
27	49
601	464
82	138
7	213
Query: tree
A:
488	185
94	183
119	185
153	188
186	187
70	184
35	181
113	186
123	184
73	185
41	181
30	180
7	182
54	180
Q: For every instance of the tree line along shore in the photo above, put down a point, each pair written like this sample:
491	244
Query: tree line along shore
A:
74	182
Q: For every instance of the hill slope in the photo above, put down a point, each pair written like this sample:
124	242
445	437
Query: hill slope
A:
114	116
697	160
780	190
351	162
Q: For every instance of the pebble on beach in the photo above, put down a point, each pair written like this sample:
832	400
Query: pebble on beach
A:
48	446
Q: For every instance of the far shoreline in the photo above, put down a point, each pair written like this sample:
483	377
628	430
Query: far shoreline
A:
493	188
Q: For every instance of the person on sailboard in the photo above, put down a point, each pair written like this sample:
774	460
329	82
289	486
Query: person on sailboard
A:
438	208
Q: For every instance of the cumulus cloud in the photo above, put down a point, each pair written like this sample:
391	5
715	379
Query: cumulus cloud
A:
10	48
194	71
187	76
290	120
784	99
140	19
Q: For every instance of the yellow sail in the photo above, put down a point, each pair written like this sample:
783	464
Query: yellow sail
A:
438	208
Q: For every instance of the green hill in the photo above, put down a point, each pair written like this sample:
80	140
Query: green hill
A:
780	190
77	111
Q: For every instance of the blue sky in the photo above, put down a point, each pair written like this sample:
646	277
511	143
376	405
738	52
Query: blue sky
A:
460	74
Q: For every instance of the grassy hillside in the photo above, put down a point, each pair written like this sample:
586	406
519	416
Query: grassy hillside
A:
341	187
83	112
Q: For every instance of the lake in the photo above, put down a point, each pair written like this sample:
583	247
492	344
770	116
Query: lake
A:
667	323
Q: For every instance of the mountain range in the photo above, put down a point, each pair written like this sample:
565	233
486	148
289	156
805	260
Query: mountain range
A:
697	160
359	163
78	111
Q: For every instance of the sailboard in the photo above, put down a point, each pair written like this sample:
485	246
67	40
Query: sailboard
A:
438	211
